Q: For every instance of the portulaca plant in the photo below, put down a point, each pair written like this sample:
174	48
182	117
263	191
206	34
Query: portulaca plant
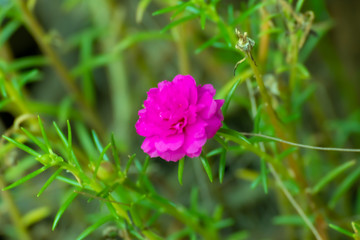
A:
251	150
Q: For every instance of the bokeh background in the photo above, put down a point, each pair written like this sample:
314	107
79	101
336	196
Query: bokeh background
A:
121	85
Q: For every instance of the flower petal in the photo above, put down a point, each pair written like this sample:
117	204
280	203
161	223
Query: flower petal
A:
195	137
178	117
172	156
148	147
171	143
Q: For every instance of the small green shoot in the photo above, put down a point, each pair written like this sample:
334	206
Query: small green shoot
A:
181	170
63	207
95	226
23	147
341	230
207	167
331	175
49	181
26	178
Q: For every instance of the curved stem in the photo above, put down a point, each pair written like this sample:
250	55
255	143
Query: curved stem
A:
302	145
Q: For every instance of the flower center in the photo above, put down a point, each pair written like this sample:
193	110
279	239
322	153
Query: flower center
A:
179	125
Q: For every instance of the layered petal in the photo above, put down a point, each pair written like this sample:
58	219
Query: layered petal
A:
178	117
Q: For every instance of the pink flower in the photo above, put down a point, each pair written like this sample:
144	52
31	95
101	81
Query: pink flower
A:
178	118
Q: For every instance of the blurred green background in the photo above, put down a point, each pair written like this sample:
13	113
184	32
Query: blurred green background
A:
120	51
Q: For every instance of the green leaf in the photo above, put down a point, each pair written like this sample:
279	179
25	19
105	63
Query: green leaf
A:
264	175
207	44
68	181
344	186
224	223
30	76
299	4
293	220
225	33
140	10
46	140
229	96
27	62
233	135
101	157
224	91
146	165
63	207
8	30
61	135
85	140
86	49
331	175
181	170
64	110
194	199
222	165
98	145
203	20
256	182
5	9
23	147
103	59
95	226
172	8
230	13
35	140
356	227
70	150
49	181
222	142
26	178
341	230
216	151
257	119
207	167
177	22
241	235
23	165
248	12
128	164
286	153
115	153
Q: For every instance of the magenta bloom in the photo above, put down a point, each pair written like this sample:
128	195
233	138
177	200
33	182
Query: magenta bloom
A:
178	118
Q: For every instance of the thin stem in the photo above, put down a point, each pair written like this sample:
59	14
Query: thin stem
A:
302	145
280	131
265	96
278	126
294	203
